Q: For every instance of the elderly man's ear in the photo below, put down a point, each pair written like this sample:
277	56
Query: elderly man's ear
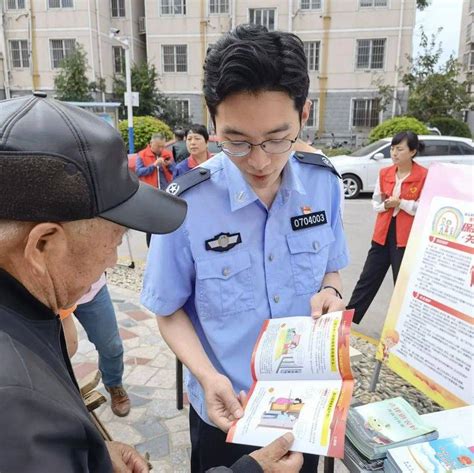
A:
43	242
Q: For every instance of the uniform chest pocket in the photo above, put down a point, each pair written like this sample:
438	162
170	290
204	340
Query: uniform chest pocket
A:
224	285
309	254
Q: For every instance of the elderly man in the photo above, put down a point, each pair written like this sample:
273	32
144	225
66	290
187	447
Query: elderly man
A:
67	198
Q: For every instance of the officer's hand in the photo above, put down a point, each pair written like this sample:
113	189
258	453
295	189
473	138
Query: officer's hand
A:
223	406
125	459
276	458
324	302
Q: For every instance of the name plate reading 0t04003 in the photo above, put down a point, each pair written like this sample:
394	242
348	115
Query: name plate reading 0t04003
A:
308	220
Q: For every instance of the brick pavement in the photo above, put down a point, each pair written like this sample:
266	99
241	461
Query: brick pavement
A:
154	424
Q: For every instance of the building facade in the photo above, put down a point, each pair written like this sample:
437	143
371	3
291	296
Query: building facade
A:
352	46
466	52
37	34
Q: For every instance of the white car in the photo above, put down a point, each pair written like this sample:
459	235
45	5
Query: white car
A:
360	170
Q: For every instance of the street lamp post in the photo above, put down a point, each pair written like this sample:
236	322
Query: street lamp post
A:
128	81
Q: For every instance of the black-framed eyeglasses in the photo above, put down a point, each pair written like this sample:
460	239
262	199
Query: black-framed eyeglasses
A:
239	149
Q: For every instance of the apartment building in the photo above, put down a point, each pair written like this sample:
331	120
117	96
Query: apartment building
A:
466	52
35	35
351	46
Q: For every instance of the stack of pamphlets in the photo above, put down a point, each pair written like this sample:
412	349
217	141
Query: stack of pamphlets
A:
439	456
374	428
356	463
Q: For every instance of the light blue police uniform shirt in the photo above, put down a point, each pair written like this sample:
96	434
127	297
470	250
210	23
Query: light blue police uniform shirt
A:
272	273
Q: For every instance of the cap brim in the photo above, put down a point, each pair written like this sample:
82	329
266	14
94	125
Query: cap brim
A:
149	210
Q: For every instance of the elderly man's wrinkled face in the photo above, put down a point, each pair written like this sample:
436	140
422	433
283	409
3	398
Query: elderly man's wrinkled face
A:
157	146
90	251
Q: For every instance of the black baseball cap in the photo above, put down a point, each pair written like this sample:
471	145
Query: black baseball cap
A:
59	162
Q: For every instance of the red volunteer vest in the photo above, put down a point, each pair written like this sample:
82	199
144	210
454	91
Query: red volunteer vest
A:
148	158
411	190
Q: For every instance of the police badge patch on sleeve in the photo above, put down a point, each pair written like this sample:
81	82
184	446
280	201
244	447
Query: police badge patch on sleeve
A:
223	242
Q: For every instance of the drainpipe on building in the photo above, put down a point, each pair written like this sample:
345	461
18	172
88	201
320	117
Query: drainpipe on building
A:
202	34
290	16
323	72
89	13
6	69
233	18
99	44
397	64
32	39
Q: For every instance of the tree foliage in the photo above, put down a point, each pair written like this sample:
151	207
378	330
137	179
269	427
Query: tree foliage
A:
71	81
152	101
395	125
422	4
434	90
451	126
144	127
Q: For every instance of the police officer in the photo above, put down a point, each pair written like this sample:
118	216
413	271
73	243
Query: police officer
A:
263	237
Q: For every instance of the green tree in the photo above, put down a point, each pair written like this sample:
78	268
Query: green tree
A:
451	126
395	125
144	127
71	81
434	90
152	101
422	4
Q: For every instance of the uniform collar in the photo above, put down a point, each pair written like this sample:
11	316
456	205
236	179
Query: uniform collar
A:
17	298
241	193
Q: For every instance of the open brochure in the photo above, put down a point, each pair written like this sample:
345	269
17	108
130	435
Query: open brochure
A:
302	383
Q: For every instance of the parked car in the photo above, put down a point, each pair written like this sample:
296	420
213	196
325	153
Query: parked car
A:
360	169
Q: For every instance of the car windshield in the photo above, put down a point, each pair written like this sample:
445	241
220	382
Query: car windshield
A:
369	148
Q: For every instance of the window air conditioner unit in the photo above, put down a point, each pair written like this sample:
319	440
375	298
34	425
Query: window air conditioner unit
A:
141	25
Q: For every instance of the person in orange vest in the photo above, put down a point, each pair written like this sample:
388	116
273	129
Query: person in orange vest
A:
154	164
395	200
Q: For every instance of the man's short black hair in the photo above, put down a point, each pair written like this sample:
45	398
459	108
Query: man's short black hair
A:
252	59
199	130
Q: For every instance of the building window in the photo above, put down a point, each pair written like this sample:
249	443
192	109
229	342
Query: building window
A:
365	112
310	4
173	7
19	53
311	49
468	32
118	54
118	8
60	48
263	16
16	4
175	58
370	53
373	3
218	6
60	3
181	108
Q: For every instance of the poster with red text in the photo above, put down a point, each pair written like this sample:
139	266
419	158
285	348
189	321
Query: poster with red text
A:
428	337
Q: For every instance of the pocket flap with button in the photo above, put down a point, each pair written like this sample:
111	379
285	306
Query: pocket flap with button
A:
224	266
310	242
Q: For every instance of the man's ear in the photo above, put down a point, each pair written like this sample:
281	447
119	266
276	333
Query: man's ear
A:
43	241
305	112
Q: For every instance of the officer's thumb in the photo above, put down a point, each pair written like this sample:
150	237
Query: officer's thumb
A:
232	403
316	307
280	447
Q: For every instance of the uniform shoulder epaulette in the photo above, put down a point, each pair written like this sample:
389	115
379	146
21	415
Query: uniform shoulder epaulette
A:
316	159
186	181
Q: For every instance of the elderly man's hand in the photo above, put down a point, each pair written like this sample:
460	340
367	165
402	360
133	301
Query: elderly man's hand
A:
324	302
276	457
223	405
125	459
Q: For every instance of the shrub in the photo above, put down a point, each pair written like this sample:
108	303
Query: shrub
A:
451	126
329	152
396	125
144	127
